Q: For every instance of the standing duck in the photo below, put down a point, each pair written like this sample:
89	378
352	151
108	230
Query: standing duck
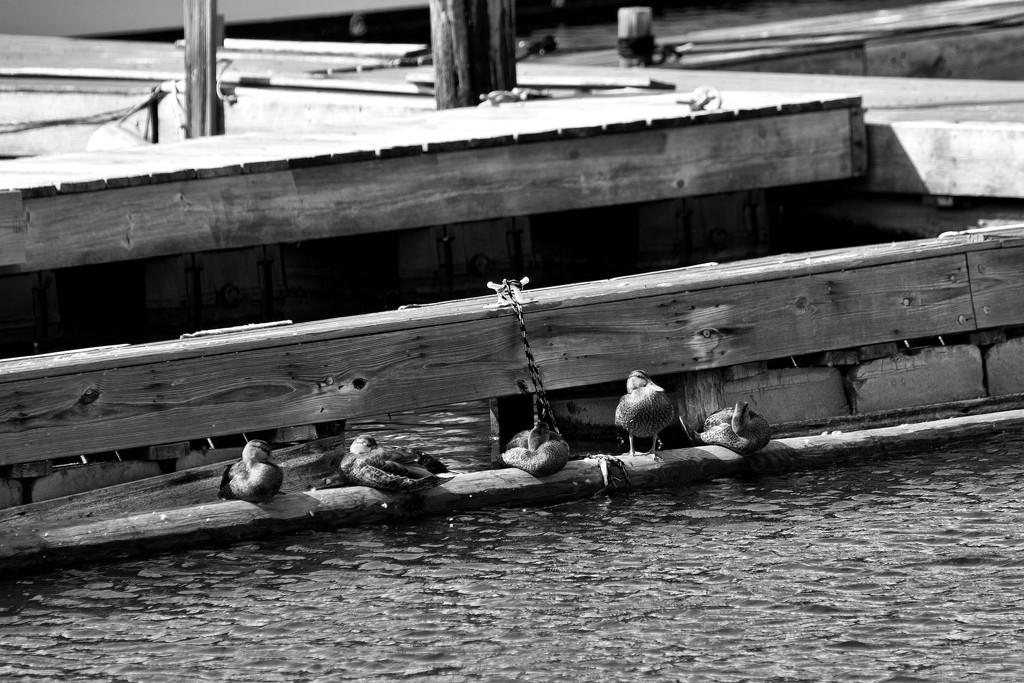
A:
539	452
389	469
739	429
256	478
644	411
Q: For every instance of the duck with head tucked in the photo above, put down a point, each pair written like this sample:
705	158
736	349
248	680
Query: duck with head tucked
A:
256	478
644	411
538	451
400	470
739	429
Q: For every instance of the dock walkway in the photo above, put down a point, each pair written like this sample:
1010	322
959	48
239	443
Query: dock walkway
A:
441	167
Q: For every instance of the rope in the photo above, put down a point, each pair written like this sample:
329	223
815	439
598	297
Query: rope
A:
606	462
89	119
509	292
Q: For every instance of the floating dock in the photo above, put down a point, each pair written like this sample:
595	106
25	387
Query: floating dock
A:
958	293
460	165
952	39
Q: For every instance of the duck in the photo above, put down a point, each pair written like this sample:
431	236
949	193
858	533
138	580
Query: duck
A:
256	478
644	411
400	470
739	429
538	451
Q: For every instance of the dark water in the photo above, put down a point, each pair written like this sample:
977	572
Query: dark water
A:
899	570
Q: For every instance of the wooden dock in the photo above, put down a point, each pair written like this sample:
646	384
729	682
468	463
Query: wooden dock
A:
669	323
444	167
962	39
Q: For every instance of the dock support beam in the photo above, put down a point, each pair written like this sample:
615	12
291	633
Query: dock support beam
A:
201	67
473	43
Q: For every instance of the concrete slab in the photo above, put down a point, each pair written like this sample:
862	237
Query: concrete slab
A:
1004	367
932	375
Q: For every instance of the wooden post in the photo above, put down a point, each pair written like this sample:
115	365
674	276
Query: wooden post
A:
201	67
473	44
636	42
698	394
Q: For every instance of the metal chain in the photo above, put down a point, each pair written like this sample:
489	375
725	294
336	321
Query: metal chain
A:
509	291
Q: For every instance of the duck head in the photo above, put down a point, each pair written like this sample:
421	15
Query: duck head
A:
364	443
257	450
638	379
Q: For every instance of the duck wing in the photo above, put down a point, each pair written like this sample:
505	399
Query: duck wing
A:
413	458
380	473
225	491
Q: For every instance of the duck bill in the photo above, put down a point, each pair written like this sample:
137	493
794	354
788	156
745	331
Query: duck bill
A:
652	385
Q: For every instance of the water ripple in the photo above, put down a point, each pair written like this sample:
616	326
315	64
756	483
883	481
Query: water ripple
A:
902	571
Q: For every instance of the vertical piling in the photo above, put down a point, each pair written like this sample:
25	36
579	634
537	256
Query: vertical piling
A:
473	45
699	393
636	41
201	67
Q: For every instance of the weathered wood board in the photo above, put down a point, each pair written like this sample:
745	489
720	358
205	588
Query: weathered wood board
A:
956	38
35	546
946	157
667	322
453	166
994	277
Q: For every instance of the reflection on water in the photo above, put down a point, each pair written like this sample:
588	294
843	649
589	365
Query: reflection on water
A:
904	570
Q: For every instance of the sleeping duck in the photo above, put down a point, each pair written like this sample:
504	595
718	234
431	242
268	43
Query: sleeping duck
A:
644	411
389	469
255	478
739	429
538	451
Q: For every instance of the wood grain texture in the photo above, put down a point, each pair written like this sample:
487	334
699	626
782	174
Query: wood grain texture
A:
973	158
305	379
995	283
201	67
993	53
689	279
305	466
35	546
12	229
390	194
473	47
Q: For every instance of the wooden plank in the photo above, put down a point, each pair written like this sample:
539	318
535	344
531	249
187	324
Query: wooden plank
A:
580	81
992	53
305	465
33	546
946	158
843	59
995	277
378	50
414	135
12	228
300	381
689	279
373	196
